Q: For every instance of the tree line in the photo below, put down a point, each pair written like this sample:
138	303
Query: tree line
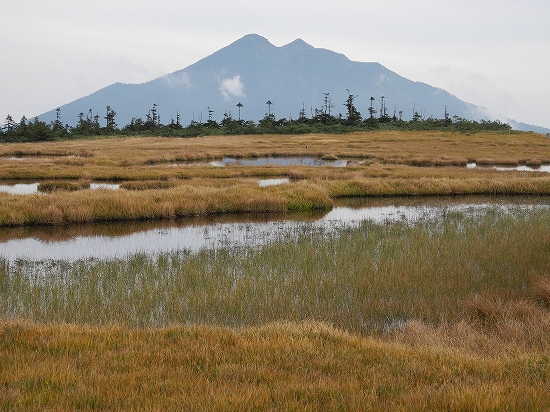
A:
321	120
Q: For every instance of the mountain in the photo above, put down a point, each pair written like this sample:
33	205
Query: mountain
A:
252	71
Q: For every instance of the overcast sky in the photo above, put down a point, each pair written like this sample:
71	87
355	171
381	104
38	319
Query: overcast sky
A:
487	52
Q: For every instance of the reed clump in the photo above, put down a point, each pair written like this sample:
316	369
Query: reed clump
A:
494	324
148	185
436	162
485	161
185	199
62	186
385	185
534	162
540	291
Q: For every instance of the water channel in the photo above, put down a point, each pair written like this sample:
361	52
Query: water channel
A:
118	240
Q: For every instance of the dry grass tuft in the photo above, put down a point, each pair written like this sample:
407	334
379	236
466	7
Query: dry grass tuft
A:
534	162
485	161
147	185
493	326
540	291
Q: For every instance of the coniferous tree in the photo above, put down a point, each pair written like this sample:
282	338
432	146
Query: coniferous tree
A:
372	110
9	123
239	105
269	115
110	124
353	115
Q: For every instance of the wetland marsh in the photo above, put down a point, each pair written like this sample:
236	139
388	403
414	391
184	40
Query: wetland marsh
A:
358	268
404	280
296	194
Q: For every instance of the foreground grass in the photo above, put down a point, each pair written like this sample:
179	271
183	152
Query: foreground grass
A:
279	366
164	178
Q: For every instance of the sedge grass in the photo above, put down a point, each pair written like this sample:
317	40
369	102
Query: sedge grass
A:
389	145
183	200
362	279
157	199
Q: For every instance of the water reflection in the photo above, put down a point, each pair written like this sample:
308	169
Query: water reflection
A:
272	182
107	186
522	168
32	188
122	239
20	188
280	161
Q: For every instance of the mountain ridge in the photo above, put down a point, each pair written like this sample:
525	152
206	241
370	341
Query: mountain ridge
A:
252	71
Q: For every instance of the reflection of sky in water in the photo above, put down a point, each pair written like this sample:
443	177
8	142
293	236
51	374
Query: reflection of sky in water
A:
272	182
32	188
195	237
20	189
543	168
108	186
525	168
280	161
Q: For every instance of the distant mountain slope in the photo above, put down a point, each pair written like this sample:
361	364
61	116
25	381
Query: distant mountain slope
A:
252	71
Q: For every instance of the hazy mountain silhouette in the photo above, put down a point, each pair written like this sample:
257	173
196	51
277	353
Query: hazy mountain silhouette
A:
252	71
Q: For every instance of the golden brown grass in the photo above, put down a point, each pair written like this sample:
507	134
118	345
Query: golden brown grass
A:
390	145
496	362
175	178
189	199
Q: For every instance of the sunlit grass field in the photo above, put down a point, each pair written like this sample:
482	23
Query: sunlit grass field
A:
448	315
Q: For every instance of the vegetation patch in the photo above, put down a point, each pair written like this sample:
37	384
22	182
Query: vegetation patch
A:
147	185
62	186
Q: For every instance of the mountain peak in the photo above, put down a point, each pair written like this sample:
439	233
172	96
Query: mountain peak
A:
258	42
298	44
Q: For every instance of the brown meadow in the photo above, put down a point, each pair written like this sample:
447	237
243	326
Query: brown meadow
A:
175	179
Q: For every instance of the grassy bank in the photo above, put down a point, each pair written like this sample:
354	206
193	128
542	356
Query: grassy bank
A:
384	146
201	197
184	200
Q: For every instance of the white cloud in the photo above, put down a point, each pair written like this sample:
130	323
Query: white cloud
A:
381	79
232	87
479	89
